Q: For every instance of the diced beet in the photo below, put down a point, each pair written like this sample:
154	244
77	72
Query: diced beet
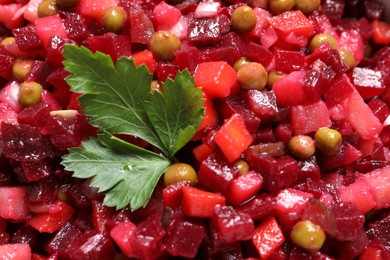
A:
216	173
385	136
92	245
54	49
34	171
16	251
308	118
100	216
275	149
265	134
349	221
334	9
244	187
122	233
268	237
27	38
9	97
34	115
358	193
283	133
328	162
141	27
172	194
166	15
289	89
288	61
262	20
292	22
379	108
42	191
374	10
309	169
375	249
368	82
94	8
291	200
152	247
263	103
319	214
235	105
62	240
338	90
231	225
378	181
26	235
6	64
111	44
184	238
166	70
77	197
202	31
329	56
260	207
24	143
187	57
75	26
48	26
59	213
61	90
258	53
351	40
13	206
379	230
39	72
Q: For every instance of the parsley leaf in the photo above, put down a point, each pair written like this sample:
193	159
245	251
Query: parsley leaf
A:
175	113
117	99
125	172
113	97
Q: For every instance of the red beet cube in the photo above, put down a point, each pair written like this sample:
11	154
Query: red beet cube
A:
39	72
308	118
203	31
259	207
349	221
268	237
258	53
122	233
62	240
92	244
75	26
111	44
262	103
321	215
292	22
54	49
12	203
338	90
288	61
244	187
232	226
152	247
291	200
100	216
368	82
141	27
27	38
379	108
216	173
6	64
289	89
32	145
184	238
166	70
172	194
